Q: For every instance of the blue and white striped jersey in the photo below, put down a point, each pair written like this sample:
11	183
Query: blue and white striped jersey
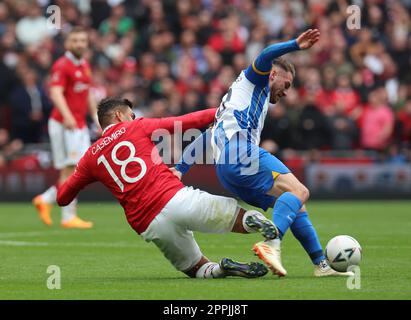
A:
243	109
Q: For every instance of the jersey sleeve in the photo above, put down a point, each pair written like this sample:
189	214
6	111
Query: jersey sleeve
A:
260	69
58	75
194	151
77	181
194	120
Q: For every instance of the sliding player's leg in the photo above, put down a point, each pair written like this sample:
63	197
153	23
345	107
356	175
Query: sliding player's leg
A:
210	213
170	234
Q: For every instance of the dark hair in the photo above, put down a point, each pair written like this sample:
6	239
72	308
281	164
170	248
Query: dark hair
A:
106	108
285	65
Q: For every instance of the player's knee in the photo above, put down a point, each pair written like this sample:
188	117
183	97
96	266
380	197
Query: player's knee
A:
302	193
305	194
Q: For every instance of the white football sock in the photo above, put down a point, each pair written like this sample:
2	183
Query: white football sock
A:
251	213
50	195
210	270
70	211
275	243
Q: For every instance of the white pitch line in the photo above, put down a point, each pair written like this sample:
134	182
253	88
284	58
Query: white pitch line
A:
22	243
14	243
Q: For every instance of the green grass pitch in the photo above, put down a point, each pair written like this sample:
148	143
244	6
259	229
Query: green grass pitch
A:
112	262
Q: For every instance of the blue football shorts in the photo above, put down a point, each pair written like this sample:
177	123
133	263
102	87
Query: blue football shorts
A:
249	172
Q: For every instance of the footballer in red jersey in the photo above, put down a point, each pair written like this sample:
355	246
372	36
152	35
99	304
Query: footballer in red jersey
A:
156	203
69	136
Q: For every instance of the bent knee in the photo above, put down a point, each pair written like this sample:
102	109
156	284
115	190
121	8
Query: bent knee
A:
302	193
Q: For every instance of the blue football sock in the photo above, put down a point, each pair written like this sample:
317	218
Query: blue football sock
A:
303	230
285	210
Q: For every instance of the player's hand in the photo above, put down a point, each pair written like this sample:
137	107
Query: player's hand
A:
70	123
177	173
307	39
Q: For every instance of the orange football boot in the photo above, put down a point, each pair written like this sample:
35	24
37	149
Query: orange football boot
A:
76	223
43	209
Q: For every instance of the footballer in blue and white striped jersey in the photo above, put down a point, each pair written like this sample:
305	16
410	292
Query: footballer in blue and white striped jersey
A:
243	109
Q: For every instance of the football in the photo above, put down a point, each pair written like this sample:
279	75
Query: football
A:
342	252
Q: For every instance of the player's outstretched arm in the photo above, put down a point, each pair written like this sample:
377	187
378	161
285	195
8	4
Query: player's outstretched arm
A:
259	70
72	186
308	38
194	152
194	120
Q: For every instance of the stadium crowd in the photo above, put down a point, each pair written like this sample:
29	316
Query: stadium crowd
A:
352	90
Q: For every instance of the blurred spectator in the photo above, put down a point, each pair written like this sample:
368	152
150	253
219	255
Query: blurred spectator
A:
4	12
278	131
30	108
32	29
8	147
344	131
344	96
404	122
377	121
313	128
158	108
189	50
229	39
191	102
118	22
395	156
7	80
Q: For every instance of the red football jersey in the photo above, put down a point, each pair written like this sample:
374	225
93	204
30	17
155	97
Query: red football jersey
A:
128	163
75	77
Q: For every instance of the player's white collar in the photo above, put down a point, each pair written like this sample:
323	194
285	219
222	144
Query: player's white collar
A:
73	59
108	127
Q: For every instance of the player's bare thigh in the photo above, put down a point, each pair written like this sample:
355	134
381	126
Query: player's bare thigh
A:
289	183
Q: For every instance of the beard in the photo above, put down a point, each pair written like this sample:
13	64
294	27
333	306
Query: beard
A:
78	53
274	96
274	99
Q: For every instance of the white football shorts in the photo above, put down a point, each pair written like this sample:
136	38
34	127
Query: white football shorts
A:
67	146
190	210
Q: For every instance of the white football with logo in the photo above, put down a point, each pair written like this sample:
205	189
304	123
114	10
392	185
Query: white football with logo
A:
342	252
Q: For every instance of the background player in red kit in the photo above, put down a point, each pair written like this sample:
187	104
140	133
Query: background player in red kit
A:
69	136
157	205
